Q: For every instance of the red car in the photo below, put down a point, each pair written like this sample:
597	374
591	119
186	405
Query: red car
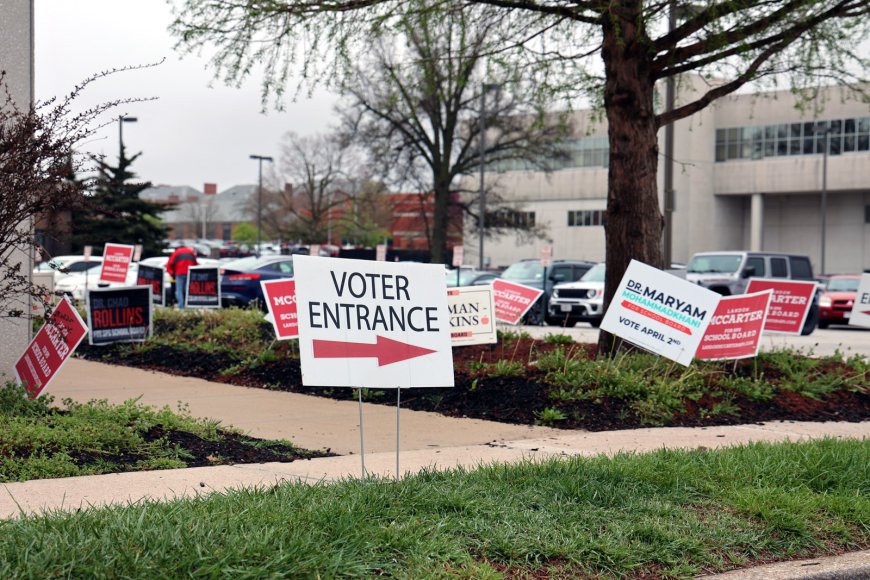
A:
837	300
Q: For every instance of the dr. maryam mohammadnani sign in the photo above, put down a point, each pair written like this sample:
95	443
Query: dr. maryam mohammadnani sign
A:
660	312
372	324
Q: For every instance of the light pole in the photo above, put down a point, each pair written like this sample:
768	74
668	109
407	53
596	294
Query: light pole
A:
824	128
121	120
482	198
670	97
260	159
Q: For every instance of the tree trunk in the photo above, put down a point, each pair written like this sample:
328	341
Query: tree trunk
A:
634	223
441	201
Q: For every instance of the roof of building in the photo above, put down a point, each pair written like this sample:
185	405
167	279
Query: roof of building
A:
227	206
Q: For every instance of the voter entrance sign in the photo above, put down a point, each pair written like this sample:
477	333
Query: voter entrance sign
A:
860	315
472	315
789	305
660	312
281	301
372	324
735	330
116	262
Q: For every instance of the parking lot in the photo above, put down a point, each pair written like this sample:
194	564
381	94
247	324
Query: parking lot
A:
847	339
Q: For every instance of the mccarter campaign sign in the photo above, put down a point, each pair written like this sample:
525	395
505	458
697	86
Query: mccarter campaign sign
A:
660	312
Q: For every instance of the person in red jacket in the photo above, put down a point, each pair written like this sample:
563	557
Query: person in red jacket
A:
179	263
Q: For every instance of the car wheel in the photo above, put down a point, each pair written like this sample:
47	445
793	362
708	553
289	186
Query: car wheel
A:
595	323
534	317
824	324
810	324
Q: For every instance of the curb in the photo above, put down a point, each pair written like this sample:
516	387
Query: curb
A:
848	566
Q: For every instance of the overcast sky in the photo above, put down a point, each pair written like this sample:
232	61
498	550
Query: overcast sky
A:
194	133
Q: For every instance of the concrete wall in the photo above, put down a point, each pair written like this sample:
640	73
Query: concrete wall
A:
713	209
16	57
792	223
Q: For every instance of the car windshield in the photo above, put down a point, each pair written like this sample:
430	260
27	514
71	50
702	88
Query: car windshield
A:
526	270
595	274
713	264
843	284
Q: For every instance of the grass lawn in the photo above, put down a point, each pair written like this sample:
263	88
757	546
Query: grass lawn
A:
670	513
40	441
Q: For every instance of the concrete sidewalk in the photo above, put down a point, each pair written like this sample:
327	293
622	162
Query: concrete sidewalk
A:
427	439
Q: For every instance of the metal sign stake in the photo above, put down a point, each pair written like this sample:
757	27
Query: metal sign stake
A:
362	452
398	424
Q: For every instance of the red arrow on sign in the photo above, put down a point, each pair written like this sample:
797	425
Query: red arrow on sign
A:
386	350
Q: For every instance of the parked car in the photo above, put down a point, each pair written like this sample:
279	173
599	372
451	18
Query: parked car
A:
580	301
66	265
76	285
469	277
532	273
240	279
728	273
836	302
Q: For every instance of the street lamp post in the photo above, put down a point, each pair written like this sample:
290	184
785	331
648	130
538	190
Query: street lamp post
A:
121	120
824	128
260	159
670	97
482	197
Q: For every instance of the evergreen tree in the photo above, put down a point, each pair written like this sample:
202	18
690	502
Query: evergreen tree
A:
114	212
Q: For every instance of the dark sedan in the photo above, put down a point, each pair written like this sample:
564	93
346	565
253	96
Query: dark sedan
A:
240	279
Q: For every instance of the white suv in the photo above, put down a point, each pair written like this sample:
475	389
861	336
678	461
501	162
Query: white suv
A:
580	301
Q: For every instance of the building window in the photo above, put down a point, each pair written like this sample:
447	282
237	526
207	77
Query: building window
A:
585	152
509	218
867	214
585	217
761	141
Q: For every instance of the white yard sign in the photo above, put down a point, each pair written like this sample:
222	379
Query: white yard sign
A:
472	315
660	312
860	315
372	324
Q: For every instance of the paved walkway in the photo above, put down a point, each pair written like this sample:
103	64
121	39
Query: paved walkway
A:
427	439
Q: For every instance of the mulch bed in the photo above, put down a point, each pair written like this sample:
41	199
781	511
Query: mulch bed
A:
517	400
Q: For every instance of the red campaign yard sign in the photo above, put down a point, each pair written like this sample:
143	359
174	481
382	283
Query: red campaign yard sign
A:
735	329
281	300
789	305
512	300
52	345
116	261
